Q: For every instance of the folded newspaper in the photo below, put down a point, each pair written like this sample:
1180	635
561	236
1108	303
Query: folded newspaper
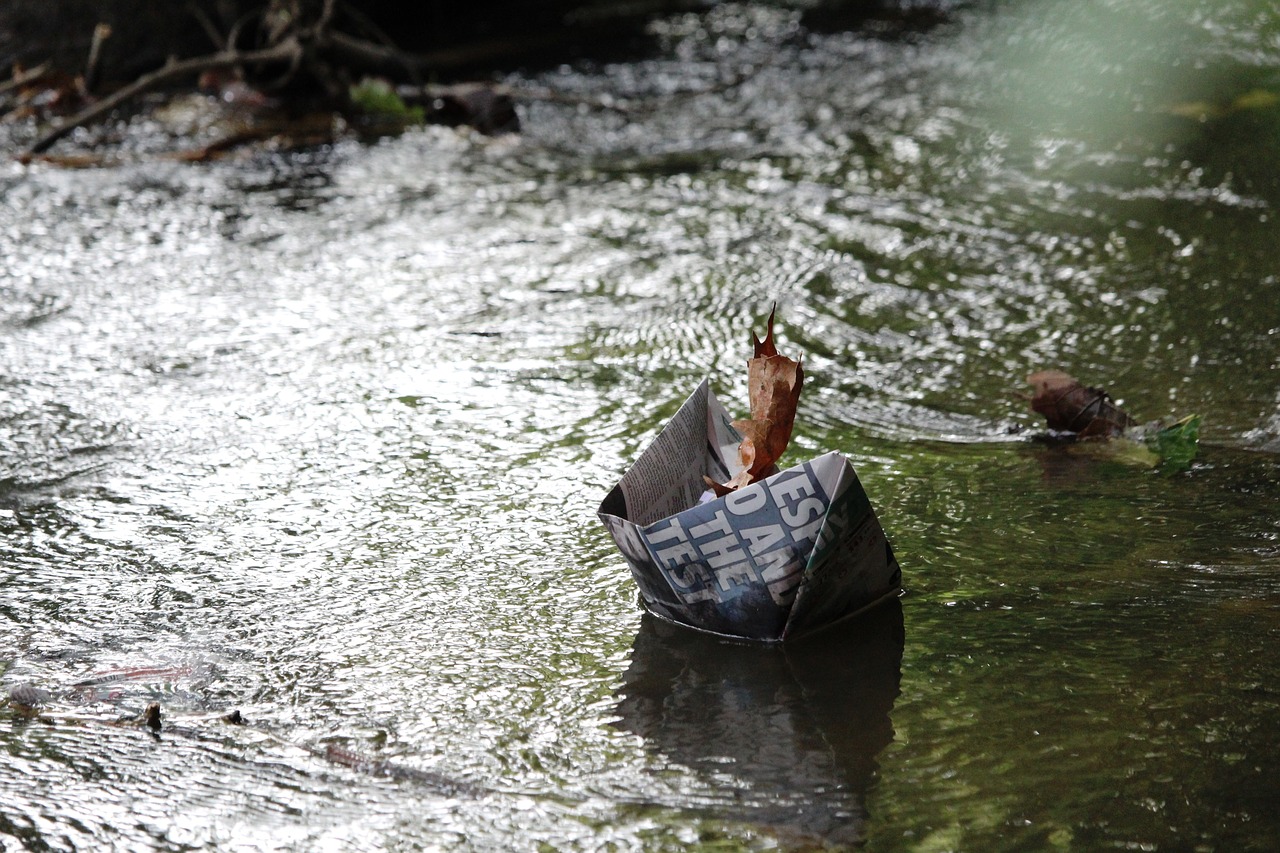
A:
792	553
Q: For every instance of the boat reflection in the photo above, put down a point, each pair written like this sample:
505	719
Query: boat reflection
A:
790	732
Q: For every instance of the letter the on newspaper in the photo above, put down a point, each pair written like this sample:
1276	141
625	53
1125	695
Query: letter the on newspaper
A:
781	557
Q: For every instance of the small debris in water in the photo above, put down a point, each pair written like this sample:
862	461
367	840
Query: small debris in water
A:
28	696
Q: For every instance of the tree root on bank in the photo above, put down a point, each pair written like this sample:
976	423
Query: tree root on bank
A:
311	56
308	59
282	52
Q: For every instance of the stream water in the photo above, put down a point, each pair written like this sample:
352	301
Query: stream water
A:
320	436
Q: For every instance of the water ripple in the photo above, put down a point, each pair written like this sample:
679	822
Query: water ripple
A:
325	433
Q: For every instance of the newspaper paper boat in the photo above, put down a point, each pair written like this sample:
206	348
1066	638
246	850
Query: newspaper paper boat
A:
793	553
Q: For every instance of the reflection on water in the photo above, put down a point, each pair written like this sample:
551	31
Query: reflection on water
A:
329	430
788	736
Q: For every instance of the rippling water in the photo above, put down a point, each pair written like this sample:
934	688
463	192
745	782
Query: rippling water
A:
320	437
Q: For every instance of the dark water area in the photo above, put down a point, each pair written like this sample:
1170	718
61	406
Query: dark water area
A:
320	436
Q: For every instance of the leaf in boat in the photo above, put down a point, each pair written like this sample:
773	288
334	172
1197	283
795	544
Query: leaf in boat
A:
774	382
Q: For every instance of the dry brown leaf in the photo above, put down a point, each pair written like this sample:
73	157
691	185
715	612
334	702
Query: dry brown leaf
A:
44	92
774	382
1069	406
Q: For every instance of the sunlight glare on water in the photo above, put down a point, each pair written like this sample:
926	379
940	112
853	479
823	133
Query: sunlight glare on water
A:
319	437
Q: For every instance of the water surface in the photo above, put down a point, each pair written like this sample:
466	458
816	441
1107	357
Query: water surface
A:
320	436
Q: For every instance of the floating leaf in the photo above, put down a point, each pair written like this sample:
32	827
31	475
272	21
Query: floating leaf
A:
1071	407
1083	412
378	98
1254	99
1177	444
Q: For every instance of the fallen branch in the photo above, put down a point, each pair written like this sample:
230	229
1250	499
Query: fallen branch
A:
101	33
22	78
289	50
374	55
219	146
321	52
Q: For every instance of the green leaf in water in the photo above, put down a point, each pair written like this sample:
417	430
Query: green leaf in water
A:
1177	444
1130	452
378	98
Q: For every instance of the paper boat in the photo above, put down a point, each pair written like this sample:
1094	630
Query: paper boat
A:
789	555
